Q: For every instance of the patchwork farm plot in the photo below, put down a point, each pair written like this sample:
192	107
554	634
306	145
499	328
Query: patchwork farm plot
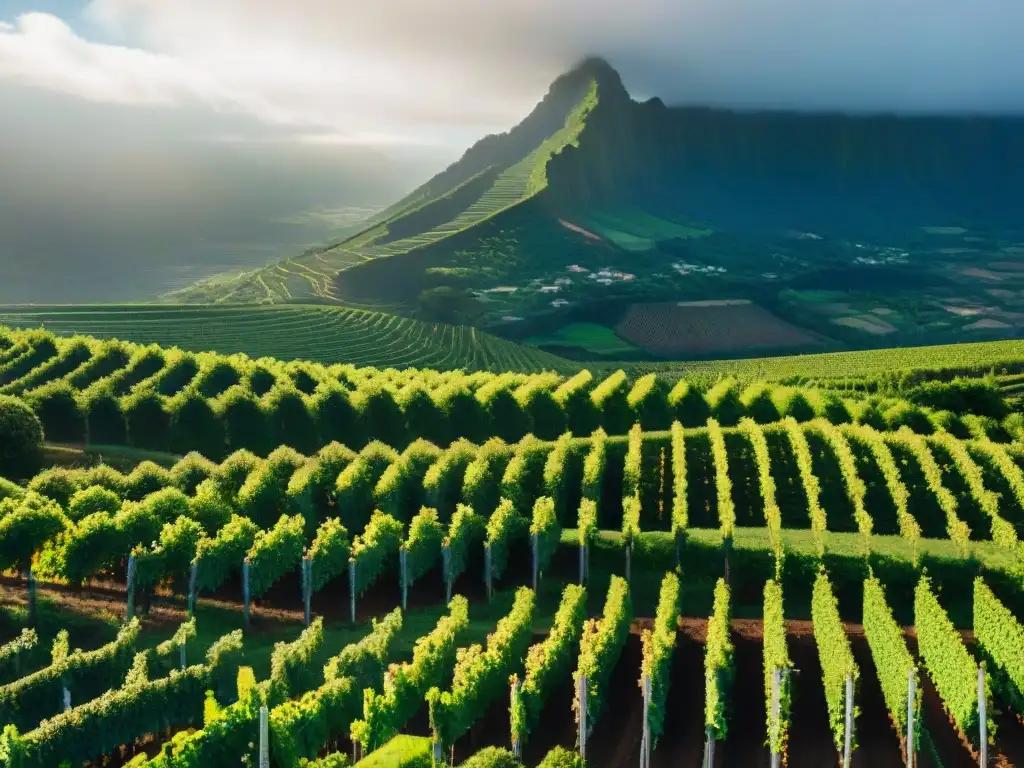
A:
773	542
673	329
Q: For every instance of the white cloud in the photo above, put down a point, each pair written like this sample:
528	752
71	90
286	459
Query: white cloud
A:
390	71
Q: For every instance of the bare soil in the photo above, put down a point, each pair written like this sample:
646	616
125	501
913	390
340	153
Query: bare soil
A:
616	739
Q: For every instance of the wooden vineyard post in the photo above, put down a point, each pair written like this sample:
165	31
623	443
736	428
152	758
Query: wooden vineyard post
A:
245	593
181	653
352	589
487	570
31	599
438	757
848	731
193	575
130	609
536	563
517	747
583	564
679	547
645	744
307	587
911	695
982	719
773	737
403	561
264	737
581	694
629	560
65	697
446	560
727	546
709	747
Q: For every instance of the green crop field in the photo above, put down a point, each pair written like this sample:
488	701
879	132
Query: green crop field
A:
869	364
405	563
317	333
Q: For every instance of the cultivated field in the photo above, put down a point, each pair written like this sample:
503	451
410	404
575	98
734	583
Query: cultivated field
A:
322	334
679	329
643	529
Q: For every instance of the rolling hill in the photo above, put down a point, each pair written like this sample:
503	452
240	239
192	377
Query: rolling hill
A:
293	332
595	203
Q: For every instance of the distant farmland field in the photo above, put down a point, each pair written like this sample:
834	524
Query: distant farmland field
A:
318	333
672	329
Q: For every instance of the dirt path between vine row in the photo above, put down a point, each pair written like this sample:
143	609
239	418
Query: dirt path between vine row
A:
616	739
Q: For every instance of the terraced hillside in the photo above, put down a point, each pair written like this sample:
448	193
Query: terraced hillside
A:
493	176
326	334
318	333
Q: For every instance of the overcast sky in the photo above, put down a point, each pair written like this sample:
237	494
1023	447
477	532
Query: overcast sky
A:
192	125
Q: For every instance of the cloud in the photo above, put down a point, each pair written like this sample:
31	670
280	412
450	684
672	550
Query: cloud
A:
144	134
400	67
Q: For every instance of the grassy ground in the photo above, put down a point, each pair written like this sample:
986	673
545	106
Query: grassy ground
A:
398	752
121	457
588	337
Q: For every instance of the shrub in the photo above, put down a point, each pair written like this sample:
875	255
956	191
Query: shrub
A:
149	421
262	497
688	405
145	479
793	402
611	402
960	396
904	414
21	439
193	469
290	420
245	423
25	526
380	416
492	757
336	418
560	757
195	426
537	399
758	404
648	400
105	420
505	416
93	499
233	472
208	509
724	401
60	412
465	414
573	395
57	483
423	416
106	477
831	407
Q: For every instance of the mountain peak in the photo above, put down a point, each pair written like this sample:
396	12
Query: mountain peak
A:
591	68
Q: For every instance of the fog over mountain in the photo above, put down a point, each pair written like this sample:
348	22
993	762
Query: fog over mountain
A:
180	138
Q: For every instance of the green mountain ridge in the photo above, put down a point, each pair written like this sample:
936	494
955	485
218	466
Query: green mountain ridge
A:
496	173
595	202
